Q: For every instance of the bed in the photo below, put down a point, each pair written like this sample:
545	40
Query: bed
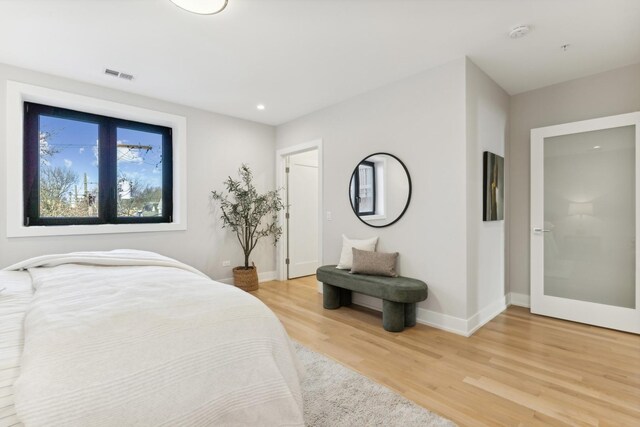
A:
134	338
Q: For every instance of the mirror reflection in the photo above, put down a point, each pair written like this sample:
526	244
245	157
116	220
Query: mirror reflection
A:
380	189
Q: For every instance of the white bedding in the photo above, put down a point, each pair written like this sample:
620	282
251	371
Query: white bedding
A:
14	300
133	338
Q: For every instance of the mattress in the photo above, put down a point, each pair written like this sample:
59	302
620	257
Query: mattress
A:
14	300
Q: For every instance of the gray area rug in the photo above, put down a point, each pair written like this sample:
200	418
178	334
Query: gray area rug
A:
336	396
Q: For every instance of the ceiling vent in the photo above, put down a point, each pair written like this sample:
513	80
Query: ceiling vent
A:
116	73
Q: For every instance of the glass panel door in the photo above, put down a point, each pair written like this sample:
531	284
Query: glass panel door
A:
584	222
589	216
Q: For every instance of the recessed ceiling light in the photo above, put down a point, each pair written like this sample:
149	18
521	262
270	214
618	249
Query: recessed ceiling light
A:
260	107
519	31
596	147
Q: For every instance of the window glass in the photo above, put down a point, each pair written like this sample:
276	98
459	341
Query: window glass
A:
139	164
366	188
68	167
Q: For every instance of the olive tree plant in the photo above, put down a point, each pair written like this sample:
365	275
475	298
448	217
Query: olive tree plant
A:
251	216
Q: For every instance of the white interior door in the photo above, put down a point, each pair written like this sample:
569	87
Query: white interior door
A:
585	194
302	193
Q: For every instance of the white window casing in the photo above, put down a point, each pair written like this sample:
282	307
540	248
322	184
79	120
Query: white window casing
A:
18	93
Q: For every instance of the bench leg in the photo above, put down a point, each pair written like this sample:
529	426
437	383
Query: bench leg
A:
410	314
393	316
331	296
345	297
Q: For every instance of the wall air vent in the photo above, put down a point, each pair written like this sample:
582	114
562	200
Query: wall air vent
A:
116	73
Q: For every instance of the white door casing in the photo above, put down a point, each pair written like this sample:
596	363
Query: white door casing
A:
280	162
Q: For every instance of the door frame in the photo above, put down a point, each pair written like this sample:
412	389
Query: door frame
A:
608	316
280	162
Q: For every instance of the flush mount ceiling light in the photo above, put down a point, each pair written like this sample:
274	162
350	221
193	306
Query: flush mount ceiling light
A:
202	7
519	31
260	107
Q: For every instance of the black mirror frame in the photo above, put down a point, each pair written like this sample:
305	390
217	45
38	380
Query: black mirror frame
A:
406	206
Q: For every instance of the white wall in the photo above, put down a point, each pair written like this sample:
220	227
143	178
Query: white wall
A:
422	120
209	137
392	190
605	94
487	110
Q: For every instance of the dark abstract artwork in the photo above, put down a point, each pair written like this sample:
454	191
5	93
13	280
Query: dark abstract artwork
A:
493	187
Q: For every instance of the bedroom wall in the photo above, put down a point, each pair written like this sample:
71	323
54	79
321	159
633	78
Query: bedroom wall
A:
217	145
487	111
423	121
604	94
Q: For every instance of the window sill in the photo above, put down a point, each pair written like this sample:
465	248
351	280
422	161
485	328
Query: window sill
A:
70	230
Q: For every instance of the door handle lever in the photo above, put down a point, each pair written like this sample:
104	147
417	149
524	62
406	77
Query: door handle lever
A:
540	230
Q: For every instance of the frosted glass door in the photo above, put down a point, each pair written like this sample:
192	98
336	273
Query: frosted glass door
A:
589	212
584	225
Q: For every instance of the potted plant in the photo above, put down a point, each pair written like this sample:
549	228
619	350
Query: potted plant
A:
251	216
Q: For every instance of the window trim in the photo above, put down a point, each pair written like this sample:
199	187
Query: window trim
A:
18	93
107	181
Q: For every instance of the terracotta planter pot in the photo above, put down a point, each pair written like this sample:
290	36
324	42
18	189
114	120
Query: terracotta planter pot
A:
246	278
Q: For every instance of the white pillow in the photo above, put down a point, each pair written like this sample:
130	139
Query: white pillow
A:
346	257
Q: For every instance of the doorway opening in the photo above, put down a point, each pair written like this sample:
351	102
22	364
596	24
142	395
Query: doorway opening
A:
300	175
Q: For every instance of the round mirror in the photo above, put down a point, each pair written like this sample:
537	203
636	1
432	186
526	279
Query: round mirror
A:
380	190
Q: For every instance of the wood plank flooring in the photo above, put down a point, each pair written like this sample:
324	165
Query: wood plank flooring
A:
518	370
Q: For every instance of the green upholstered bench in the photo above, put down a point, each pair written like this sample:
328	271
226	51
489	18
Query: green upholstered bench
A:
399	294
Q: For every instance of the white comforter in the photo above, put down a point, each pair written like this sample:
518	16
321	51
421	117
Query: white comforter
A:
133	338
15	295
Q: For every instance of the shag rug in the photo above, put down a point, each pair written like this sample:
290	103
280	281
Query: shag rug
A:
336	396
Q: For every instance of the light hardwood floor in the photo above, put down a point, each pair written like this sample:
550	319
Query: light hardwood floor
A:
518	370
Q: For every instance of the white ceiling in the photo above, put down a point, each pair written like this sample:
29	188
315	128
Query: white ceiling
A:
297	56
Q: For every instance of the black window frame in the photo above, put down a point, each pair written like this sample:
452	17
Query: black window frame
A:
356	174
107	167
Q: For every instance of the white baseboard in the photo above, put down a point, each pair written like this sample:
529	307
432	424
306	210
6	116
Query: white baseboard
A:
456	325
483	316
265	276
521	300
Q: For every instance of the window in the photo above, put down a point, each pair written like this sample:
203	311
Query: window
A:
365	188
82	168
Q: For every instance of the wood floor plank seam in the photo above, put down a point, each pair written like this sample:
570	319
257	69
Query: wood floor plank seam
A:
518	370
